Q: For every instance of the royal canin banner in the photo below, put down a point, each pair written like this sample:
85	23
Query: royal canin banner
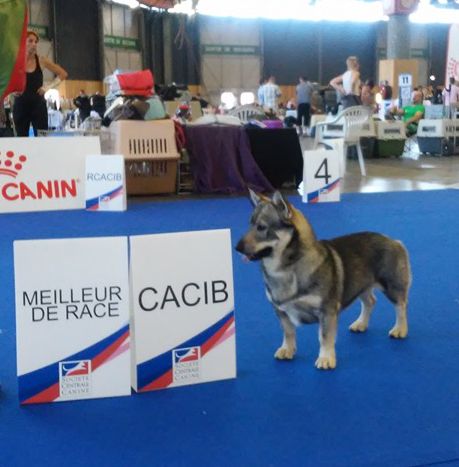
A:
72	319
44	174
452	57
182	309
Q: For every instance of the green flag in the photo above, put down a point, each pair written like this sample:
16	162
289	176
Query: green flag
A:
13	18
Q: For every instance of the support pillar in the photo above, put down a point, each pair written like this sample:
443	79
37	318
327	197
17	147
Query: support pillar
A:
398	37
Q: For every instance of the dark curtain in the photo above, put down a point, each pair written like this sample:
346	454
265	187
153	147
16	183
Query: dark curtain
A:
77	38
316	50
185	50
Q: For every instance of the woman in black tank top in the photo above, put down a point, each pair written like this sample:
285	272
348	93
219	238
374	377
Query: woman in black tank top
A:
30	107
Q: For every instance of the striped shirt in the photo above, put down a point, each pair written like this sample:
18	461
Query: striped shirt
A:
271	92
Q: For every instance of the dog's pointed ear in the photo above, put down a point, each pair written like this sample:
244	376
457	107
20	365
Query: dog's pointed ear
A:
282	205
254	198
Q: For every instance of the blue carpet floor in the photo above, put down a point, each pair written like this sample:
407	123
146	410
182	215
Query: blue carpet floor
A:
389	403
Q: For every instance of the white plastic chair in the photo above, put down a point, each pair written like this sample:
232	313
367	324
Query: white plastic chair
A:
246	112
356	122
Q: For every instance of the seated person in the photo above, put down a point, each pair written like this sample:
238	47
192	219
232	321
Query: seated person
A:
367	96
411	114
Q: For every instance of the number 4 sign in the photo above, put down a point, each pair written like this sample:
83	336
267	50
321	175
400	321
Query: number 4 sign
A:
321	176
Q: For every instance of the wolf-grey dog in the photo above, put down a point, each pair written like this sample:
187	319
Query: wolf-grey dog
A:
309	280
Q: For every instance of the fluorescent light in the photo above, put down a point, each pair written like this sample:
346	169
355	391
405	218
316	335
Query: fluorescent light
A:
323	10
429	14
320	10
130	3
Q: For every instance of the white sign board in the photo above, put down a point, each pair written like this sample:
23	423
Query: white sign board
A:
183	309
405	79
321	175
72	318
43	174
105	183
452	57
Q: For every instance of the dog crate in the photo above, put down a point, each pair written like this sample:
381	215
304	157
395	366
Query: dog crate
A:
436	137
436	112
390	138
150	152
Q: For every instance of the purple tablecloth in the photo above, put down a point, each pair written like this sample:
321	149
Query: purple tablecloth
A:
221	160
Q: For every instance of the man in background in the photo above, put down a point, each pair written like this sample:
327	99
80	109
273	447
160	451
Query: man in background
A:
451	92
303	100
412	113
271	94
83	104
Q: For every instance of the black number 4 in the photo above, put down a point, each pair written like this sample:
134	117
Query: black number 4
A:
325	175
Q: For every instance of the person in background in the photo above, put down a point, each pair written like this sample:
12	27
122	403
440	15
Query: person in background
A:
30	106
83	104
348	84
271	94
303	99
385	89
260	95
451	92
367	95
2	118
97	102
411	113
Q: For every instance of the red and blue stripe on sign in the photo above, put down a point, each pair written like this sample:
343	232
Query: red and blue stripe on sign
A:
313	197
42	385
157	372
93	203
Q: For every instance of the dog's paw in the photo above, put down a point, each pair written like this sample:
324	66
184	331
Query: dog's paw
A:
282	353
398	332
358	326
326	362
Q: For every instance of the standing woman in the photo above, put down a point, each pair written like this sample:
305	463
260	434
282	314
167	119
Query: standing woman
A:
348	84
30	106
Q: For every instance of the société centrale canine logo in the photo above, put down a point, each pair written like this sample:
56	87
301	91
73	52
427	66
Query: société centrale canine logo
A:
11	165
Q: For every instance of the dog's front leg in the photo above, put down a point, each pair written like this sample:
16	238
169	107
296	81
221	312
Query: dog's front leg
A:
288	348
327	337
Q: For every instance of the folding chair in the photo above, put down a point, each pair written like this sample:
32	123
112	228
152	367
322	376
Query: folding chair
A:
351	124
246	112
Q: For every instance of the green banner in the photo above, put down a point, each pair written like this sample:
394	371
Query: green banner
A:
414	53
418	53
218	49
121	42
41	30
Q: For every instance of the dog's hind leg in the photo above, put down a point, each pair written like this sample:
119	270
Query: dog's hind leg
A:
368	302
288	348
327	338
400	330
398	295
396	287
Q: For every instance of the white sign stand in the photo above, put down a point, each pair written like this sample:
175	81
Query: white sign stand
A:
405	86
44	174
72	318
182	310
105	183
321	175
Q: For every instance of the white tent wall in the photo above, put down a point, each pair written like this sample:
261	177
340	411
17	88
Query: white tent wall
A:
226	69
121	22
40	20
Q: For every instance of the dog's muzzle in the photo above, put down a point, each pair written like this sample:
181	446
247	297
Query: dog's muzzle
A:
252	256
